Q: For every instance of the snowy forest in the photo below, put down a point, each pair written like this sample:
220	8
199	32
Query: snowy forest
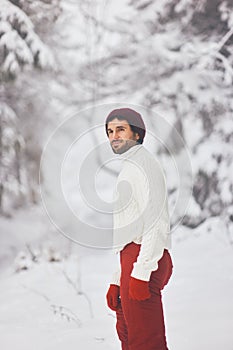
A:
171	59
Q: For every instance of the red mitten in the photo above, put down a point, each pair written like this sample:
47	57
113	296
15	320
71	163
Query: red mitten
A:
138	289
112	297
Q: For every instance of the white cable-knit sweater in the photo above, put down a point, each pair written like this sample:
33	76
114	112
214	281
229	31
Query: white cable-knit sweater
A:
141	211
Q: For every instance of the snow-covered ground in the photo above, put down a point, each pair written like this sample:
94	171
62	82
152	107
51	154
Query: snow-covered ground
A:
40	308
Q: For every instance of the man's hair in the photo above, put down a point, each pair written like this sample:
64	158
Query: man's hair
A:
133	118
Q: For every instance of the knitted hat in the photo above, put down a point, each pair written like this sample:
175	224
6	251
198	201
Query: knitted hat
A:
133	118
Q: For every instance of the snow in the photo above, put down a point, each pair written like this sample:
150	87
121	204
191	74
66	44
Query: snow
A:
41	309
202	314
19	41
58	299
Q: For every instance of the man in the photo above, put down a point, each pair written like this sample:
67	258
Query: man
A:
141	235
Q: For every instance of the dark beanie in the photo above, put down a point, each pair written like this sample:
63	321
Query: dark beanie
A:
133	118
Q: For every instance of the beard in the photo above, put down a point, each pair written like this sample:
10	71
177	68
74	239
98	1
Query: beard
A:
121	146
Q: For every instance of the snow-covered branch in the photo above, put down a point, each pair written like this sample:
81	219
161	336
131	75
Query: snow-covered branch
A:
19	44
79	291
61	310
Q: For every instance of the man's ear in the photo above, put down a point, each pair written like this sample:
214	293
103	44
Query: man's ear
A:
137	136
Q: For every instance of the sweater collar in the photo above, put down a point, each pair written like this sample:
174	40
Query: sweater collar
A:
132	150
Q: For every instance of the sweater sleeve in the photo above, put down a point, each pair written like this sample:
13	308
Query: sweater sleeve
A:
116	278
116	275
151	196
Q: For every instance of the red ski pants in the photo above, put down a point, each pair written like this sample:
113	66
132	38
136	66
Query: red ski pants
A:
140	324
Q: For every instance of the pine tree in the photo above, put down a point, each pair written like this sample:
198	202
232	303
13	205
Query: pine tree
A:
13	173
177	57
19	44
22	53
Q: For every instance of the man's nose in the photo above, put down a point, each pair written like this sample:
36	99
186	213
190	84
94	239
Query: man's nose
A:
115	135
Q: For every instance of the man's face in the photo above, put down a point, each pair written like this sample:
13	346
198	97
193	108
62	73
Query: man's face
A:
121	136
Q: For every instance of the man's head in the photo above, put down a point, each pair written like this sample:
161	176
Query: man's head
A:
125	128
